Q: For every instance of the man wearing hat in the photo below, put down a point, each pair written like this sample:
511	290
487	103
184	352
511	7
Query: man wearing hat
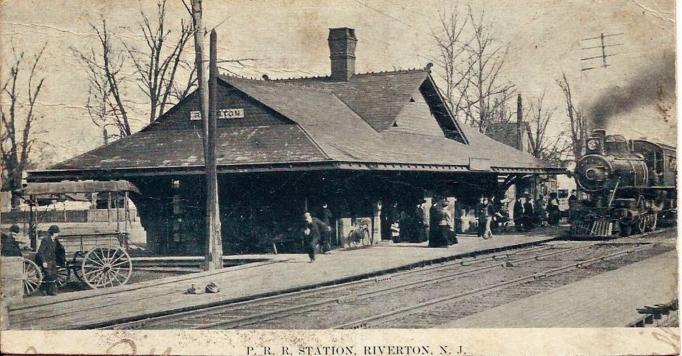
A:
47	260
10	247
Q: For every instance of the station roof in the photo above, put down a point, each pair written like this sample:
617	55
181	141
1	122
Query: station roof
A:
331	124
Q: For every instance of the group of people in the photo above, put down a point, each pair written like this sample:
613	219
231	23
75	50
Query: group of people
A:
543	211
427	222
435	222
50	255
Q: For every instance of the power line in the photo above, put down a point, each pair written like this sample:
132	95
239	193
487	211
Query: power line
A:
596	48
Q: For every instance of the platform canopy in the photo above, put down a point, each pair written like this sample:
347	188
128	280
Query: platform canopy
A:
69	187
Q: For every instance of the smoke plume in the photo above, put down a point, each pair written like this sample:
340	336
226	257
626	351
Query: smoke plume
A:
651	84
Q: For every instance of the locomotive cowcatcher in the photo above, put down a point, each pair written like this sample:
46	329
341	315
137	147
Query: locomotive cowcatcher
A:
630	187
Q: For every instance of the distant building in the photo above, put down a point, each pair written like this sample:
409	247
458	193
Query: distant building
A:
356	141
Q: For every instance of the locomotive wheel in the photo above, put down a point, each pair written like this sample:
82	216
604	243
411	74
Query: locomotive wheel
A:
31	277
653	221
63	275
641	224
106	267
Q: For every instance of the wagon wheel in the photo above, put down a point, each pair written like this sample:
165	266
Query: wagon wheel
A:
31	278
75	264
63	275
106	267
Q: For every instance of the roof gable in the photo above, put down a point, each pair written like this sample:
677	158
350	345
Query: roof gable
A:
255	113
416	117
376	97
332	125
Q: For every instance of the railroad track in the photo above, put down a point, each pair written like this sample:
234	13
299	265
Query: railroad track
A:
530	264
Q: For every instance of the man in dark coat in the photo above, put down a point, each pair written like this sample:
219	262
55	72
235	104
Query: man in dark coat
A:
554	215
421	223
311	233
572	205
529	214
10	247
438	236
435	215
47	260
326	234
518	214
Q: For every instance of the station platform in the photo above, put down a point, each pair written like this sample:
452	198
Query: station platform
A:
610	299
272	275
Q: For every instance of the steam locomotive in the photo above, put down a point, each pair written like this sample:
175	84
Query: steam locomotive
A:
630	187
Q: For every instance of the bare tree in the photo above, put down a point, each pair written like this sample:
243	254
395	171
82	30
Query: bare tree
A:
155	67
18	119
485	91
452	56
541	144
576	120
501	112
155	71
106	106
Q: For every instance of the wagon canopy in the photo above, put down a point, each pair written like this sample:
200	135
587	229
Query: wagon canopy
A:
89	186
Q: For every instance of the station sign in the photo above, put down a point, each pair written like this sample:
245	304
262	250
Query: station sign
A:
479	164
222	114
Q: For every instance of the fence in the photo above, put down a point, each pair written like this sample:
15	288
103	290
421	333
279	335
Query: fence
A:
76	216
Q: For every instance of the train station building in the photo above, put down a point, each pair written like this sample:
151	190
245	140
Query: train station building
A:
358	142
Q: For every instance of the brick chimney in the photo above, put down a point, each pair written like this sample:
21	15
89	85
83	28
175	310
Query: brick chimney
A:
342	49
520	142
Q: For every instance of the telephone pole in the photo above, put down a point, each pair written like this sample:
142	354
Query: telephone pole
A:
214	249
596	48
214	253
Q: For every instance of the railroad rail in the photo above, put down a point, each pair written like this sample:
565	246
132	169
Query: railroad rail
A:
259	312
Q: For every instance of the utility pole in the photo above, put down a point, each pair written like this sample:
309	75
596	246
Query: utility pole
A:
214	253
596	49
213	237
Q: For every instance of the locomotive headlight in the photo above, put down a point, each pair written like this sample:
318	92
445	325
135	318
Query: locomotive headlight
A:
593	145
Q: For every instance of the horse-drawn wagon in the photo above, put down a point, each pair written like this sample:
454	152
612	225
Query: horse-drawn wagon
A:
97	257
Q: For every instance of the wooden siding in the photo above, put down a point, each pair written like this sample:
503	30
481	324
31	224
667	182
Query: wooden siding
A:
416	117
255	114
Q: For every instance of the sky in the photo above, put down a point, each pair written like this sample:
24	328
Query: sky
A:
288	38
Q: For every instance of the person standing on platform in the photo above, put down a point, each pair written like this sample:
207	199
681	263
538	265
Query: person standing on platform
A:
489	213
518	214
572	205
46	258
326	217
480	216
311	234
540	212
435	235
447	224
553	210
420	223
528	213
10	246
